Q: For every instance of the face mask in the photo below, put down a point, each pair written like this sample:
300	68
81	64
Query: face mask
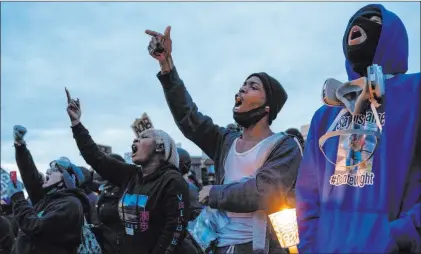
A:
361	56
249	118
356	96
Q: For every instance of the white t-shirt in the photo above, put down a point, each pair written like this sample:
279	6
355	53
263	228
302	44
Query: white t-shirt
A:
238	166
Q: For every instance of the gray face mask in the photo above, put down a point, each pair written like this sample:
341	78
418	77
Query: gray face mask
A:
354	97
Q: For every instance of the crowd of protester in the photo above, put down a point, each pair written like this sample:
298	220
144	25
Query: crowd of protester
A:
347	201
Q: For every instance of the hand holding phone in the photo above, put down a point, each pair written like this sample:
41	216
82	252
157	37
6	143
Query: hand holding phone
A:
14	178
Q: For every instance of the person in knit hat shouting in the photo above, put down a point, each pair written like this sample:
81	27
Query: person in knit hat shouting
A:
255	169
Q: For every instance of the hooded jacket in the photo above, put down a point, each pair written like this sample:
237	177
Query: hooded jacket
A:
53	224
383	216
154	209
271	189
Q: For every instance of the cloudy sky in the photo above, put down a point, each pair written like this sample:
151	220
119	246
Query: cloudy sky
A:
98	50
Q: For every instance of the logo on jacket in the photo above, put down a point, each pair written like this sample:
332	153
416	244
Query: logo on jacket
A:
132	211
354	160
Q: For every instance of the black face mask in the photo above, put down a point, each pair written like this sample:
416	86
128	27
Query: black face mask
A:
249	118
361	56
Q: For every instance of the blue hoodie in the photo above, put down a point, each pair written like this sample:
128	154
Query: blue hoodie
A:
383	214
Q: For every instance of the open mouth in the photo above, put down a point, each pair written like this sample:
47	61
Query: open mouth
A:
356	36
134	150
238	101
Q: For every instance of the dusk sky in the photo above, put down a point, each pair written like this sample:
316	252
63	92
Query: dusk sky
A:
98	50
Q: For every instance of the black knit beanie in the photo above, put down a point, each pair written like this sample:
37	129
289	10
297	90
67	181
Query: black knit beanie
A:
275	94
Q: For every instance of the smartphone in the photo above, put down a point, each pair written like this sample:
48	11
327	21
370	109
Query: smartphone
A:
14	178
376	81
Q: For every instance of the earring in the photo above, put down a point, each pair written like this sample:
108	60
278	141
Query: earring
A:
159	148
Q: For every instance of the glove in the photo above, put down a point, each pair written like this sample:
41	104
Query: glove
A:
11	189
19	133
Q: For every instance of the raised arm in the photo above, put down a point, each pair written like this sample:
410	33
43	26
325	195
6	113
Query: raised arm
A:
110	169
58	223
270	190
195	126
28	171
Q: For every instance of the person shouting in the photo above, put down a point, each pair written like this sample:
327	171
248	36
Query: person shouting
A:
255	169
53	223
359	184
154	207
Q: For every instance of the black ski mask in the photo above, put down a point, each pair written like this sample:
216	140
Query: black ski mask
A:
275	99
361	55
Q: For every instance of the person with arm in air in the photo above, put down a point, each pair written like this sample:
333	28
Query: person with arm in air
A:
154	207
53	223
255	169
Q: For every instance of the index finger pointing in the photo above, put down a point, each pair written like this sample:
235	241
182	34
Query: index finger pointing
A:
68	95
167	32
152	33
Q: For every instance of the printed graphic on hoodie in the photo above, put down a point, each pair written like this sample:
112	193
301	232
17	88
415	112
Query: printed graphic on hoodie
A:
354	161
132	212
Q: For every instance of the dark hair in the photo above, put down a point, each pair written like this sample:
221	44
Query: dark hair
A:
296	133
234	127
184	160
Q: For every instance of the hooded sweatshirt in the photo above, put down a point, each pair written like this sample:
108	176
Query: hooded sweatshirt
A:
53	224
154	209
379	212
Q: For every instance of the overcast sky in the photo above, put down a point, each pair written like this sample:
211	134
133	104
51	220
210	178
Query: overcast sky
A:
98	50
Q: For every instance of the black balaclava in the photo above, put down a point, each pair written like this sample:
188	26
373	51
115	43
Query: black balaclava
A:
361	56
275	99
184	160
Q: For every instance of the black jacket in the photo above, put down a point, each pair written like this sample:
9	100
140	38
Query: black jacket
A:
107	212
53	224
107	205
7	213
155	208
6	236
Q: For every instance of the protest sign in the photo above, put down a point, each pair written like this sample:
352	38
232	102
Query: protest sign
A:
141	124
